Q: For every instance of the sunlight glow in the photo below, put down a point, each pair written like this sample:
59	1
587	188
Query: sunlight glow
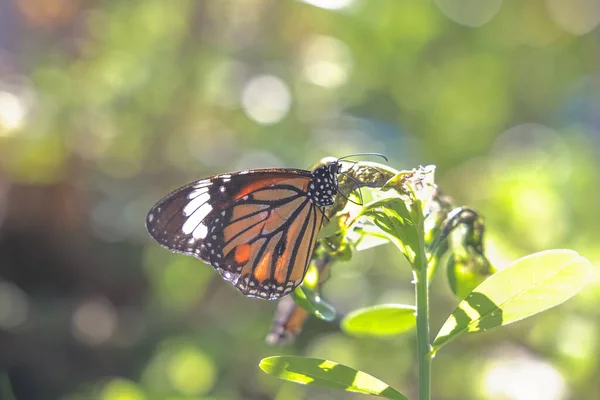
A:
14	307
327	365
471	13
122	389
13	113
266	99
94	321
330	4
577	17
311	279
577	338
363	380
190	371
523	377
327	62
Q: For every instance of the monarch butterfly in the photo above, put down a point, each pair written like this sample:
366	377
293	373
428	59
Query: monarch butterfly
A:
258	227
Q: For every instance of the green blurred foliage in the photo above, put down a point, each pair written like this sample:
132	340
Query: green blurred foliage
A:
107	105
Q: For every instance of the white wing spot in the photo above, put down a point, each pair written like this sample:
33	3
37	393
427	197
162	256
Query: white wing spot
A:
193	205
200	232
150	217
203	182
195	193
196	218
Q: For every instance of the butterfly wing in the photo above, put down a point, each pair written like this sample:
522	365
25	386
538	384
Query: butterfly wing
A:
258	228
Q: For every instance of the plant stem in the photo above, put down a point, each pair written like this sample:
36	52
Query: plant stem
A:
423	344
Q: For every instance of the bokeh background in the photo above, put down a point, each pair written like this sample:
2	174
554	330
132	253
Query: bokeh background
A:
106	105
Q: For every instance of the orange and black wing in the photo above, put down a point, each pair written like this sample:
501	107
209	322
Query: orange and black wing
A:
258	228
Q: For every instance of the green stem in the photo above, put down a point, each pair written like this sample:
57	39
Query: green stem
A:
423	340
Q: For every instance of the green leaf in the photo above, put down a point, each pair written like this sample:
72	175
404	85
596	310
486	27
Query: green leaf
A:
371	237
332	227
314	371
393	218
380	320
528	286
313	303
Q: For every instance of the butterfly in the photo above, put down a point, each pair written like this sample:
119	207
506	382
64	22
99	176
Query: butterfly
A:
258	228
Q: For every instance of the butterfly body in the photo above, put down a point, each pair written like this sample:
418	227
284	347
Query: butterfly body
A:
324	185
258	228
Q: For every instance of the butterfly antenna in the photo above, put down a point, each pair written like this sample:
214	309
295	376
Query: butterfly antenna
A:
357	187
347	198
364	154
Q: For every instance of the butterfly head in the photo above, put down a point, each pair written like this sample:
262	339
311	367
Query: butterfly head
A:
324	184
